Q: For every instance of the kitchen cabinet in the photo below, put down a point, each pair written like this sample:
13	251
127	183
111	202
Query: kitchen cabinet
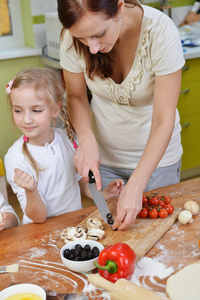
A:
189	109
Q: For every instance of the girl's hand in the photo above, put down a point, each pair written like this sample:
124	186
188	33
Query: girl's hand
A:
24	180
2	224
113	189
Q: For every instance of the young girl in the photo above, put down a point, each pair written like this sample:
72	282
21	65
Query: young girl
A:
8	217
39	166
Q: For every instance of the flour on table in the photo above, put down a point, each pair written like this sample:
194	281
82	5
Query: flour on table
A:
149	267
36	252
50	272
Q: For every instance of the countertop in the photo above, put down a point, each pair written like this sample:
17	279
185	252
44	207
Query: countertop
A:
34	247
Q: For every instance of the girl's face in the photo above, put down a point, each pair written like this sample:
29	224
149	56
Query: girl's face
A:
32	115
97	32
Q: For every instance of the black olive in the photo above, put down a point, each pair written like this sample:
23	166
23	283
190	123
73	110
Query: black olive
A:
87	247
80	253
83	256
90	254
77	258
110	221
95	251
109	216
73	251
78	246
71	256
77	252
66	253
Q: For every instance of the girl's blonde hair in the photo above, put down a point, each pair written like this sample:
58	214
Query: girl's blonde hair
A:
48	86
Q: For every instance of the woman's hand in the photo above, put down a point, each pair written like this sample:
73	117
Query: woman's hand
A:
113	189
128	206
24	180
87	157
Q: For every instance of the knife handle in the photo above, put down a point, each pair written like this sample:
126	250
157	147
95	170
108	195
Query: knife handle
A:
91	177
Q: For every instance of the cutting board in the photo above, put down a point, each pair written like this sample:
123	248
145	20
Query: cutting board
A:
140	236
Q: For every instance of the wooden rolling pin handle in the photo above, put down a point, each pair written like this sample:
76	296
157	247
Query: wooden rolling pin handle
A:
101	282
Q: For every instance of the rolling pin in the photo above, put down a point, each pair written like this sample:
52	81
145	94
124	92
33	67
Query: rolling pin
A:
123	289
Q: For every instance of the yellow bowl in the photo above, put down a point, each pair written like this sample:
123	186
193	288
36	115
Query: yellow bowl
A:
23	288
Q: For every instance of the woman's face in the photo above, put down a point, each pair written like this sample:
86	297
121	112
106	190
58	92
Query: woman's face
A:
97	32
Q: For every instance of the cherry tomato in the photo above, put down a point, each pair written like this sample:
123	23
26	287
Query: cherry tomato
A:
167	199
144	200
156	195
163	213
162	203
153	213
169	208
154	201
147	206
143	213
158	207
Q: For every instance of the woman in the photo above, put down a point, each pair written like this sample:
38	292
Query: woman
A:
130	57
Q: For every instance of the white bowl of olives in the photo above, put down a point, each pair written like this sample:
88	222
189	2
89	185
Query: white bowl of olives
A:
79	256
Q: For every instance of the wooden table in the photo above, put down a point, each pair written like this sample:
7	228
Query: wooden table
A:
33	246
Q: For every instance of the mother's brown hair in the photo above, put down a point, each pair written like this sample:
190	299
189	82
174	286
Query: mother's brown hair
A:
70	11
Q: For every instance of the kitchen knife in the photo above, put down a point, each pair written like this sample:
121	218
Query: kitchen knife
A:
100	200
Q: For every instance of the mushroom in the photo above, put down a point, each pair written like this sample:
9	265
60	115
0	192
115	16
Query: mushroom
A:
192	206
80	233
185	216
95	234
73	234
94	223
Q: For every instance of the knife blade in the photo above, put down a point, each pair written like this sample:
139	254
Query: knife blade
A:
100	200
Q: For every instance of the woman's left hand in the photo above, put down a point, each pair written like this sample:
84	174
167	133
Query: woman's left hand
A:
128	206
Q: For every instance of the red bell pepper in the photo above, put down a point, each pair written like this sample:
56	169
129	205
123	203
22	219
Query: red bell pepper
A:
116	261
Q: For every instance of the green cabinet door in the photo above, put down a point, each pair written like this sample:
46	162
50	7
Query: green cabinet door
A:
190	137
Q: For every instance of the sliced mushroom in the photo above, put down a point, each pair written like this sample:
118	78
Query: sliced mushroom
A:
68	232
80	233
95	234
73	234
192	206
94	223
185	217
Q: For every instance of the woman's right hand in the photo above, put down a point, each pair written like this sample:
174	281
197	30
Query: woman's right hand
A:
87	157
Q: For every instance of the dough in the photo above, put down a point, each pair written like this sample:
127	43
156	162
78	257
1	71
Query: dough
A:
185	284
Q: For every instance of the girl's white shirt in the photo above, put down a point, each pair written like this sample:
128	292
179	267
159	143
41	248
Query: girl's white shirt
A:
6	207
121	114
58	181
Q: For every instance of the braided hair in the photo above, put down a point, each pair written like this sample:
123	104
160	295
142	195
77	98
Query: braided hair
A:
47	85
